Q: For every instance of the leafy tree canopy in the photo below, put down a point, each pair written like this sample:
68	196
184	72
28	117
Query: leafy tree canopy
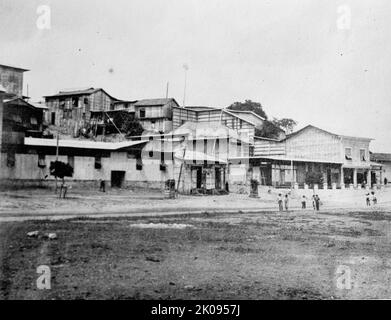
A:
127	124
249	105
285	123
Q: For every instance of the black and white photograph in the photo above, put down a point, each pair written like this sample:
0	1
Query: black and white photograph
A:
191	150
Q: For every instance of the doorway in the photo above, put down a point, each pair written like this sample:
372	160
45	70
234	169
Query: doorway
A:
199	177
117	179
217	178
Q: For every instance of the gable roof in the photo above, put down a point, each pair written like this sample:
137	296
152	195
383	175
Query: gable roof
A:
11	67
79	93
310	126
155	102
246	112
20	102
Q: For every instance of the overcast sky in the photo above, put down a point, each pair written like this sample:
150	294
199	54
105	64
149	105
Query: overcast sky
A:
300	59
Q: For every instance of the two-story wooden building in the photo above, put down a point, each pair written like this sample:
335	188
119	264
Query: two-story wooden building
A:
69	111
342	160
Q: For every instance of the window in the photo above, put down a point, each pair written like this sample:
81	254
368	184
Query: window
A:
348	153
98	162
17	118
139	164
62	103
33	120
86	101
75	102
71	161
53	119
41	160
362	155
10	159
142	113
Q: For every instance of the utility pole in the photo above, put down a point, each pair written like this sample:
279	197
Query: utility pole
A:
167	90
185	67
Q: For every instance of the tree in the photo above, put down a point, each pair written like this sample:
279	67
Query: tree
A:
313	178
60	169
285	123
249	105
268	130
128	124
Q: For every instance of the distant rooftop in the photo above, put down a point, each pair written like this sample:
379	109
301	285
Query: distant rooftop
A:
381	157
79	92
11	67
154	102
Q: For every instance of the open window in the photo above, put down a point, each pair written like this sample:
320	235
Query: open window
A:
362	155
348	153
142	113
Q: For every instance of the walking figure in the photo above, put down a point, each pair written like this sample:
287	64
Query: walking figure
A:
279	200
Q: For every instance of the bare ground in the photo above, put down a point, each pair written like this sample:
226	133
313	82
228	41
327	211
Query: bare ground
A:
266	255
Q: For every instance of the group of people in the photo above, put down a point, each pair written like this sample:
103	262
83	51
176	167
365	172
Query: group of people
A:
283	201
371	197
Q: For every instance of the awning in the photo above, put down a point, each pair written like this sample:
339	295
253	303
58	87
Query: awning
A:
197	156
81	144
288	159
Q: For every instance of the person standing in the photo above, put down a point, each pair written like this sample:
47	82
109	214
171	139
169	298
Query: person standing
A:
102	186
286	202
279	200
304	202
368	199
313	202
374	199
317	202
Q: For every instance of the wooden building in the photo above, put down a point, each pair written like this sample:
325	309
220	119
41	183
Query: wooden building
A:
69	111
11	78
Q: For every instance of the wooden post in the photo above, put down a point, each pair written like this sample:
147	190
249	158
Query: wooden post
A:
180	170
57	147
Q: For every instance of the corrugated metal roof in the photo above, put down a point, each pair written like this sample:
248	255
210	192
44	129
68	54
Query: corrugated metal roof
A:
206	130
154	102
81	144
381	157
79	93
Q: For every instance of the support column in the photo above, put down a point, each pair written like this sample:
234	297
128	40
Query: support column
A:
381	177
355	177
342	181
369	177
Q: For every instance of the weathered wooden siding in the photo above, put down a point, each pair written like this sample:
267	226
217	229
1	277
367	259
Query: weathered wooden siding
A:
181	115
268	147
12	80
315	145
